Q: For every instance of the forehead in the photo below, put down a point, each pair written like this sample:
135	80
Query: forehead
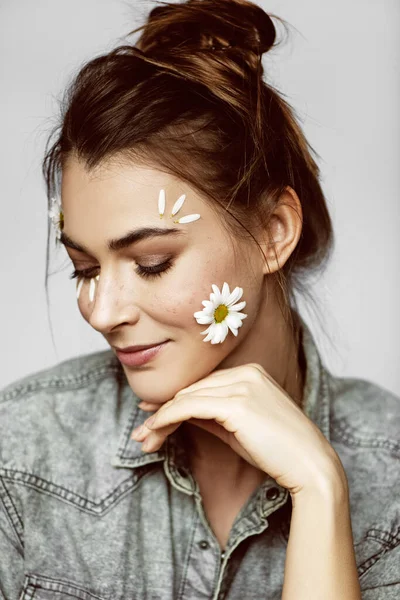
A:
117	183
115	198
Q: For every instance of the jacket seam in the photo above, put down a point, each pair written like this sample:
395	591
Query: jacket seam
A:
389	539
347	434
57	382
70	497
12	513
385	538
124	439
370	561
34	582
187	559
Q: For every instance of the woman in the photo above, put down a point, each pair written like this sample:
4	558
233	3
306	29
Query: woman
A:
188	201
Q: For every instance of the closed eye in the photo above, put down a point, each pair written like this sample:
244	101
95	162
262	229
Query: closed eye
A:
153	271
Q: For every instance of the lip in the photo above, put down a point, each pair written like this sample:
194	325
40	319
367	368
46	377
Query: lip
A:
139	357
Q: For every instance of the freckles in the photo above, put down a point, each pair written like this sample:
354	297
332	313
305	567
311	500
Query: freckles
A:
192	298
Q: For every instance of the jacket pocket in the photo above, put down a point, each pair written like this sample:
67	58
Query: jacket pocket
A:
37	587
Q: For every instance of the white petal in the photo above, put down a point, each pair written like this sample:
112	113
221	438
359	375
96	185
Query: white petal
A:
178	204
209	311
241	315
189	218
207	330
224	331
210	335
97	277
213	300
209	307
161	202
207	303
219	334
79	287
225	293
204	320
235	296
233	320
237	307
217	295
91	290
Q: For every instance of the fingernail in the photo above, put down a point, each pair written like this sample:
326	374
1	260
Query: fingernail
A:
150	421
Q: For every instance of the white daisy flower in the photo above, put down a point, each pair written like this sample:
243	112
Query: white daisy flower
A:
56	215
221	313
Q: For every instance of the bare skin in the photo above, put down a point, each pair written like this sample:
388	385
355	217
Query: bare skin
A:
129	309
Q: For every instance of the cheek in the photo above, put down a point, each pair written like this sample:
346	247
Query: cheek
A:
189	293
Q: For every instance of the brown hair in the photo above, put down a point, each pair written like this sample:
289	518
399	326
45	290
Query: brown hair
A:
189	99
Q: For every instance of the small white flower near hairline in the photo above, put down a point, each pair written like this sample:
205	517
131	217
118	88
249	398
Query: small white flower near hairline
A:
176	208
56	215
221	313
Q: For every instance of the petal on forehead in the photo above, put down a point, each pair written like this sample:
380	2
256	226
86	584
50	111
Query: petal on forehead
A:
161	202
178	204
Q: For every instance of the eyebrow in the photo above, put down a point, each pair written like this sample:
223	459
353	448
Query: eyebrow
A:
132	237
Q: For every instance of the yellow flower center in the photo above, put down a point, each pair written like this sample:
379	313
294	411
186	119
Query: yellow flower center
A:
220	313
61	221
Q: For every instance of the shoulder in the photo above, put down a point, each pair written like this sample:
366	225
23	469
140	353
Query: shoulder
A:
75	371
364	430
42	412
365	414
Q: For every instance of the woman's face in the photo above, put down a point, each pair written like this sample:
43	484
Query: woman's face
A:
130	308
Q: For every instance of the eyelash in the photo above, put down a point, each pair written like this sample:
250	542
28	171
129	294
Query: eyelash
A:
154	271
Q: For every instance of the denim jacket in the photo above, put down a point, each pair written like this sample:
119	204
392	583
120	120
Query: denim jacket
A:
85	513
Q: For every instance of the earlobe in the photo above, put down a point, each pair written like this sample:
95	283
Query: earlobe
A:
284	231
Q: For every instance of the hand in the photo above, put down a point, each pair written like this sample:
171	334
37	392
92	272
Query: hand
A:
248	410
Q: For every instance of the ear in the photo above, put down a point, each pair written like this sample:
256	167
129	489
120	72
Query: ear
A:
283	232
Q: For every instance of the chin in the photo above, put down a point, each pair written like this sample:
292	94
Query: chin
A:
149	388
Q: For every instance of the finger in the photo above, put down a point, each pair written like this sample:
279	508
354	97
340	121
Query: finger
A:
219	408
148	406
222	390
155	439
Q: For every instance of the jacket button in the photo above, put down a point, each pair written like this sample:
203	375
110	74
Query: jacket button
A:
272	493
204	544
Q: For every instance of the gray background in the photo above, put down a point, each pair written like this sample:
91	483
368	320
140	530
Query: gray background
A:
339	69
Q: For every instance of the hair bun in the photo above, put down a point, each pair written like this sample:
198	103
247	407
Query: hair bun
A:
207	25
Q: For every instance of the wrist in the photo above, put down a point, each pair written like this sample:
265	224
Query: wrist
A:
329	484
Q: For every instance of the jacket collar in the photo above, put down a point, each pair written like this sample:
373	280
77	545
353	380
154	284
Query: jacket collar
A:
316	405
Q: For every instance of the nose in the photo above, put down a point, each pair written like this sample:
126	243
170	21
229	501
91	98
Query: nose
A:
113	305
